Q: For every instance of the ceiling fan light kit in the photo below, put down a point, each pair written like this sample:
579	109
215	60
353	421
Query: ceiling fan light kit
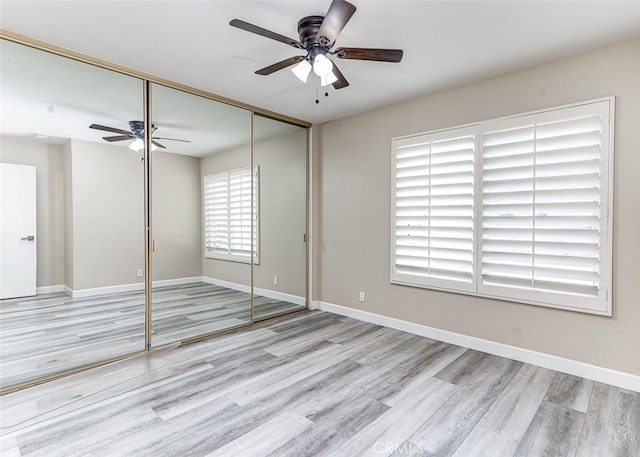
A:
317	36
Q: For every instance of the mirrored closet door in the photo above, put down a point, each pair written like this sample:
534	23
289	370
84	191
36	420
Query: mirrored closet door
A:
201	216
279	271
71	217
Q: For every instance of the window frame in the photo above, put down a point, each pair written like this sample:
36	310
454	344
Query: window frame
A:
601	305
230	257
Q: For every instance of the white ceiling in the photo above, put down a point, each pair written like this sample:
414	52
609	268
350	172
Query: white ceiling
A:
446	43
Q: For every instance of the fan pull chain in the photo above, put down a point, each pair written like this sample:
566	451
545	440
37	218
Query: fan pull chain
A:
326	94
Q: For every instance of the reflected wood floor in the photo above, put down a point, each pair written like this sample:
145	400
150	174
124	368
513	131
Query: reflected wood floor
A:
46	334
317	384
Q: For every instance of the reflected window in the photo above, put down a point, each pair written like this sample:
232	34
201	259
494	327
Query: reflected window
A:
230	215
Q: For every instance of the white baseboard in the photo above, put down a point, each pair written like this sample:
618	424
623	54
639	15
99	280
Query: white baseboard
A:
50	289
83	293
276	295
541	359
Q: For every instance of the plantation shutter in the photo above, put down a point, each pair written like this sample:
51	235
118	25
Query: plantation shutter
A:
432	220
544	215
230	212
216	212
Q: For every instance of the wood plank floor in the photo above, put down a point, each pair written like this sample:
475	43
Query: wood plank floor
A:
44	335
317	384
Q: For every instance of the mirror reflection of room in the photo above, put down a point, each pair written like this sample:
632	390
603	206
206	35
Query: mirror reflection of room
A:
188	301
72	216
210	227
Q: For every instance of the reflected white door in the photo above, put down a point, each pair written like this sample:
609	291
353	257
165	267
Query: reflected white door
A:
17	230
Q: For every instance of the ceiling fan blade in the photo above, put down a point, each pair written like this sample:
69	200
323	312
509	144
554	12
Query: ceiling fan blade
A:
342	82
109	129
155	143
280	65
265	33
170	139
379	55
337	17
111	139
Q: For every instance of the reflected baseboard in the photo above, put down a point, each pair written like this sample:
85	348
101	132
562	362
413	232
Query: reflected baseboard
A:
133	287
275	294
139	286
50	289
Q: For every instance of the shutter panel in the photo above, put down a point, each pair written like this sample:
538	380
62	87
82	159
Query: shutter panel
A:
216	213
433	192
229	208
240	212
543	215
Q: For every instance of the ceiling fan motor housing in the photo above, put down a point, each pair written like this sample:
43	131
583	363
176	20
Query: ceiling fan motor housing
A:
137	128
308	28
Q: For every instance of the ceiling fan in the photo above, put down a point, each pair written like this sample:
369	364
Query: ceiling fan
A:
317	36
135	133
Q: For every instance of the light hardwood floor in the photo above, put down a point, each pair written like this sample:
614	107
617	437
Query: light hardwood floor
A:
316	384
46	334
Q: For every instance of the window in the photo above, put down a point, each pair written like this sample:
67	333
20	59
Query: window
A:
533	226
230	215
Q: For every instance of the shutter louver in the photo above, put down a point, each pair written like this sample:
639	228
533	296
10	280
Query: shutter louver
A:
541	205
433	191
230	213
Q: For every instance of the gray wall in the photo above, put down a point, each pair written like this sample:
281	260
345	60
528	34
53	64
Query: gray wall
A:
108	211
354	207
68	214
108	215
48	160
177	216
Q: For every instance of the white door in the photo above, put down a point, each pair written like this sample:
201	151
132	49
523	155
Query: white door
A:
17	230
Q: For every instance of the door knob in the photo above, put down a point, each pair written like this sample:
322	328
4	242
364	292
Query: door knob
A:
28	238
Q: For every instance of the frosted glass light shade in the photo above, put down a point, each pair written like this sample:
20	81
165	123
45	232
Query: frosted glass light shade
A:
302	70
329	79
321	65
138	145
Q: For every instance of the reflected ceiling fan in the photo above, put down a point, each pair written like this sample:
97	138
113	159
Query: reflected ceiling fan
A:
317	36
136	133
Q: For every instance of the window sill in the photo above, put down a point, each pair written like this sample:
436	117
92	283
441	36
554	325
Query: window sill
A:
232	258
598	312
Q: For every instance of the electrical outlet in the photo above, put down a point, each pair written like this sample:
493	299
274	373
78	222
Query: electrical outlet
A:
275	280
140	272
361	296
